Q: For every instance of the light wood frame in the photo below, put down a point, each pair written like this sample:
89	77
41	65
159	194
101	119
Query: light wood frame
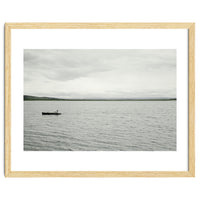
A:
191	97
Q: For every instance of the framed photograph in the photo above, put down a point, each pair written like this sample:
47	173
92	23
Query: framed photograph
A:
99	99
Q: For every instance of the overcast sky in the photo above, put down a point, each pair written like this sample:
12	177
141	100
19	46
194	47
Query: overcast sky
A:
100	73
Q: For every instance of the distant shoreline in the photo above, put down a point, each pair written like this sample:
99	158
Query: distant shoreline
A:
35	98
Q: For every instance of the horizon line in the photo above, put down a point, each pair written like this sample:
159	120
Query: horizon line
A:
31	97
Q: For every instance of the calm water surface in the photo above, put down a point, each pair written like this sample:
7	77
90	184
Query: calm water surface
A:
100	126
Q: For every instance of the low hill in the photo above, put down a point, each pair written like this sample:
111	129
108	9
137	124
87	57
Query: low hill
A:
35	98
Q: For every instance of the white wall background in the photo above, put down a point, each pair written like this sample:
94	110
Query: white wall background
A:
100	11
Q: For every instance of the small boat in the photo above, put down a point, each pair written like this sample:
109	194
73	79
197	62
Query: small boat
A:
51	113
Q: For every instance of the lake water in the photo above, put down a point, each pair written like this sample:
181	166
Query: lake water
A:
100	126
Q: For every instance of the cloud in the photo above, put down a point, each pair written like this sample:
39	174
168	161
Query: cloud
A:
100	73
